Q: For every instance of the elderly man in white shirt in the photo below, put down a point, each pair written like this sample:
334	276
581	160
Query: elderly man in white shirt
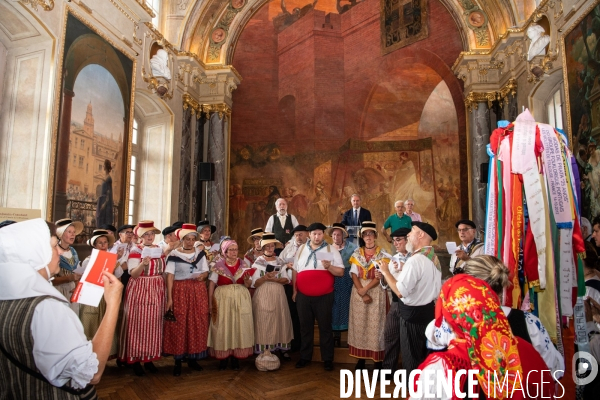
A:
418	286
281	224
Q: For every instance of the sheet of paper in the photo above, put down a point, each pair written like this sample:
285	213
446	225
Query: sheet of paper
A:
79	270
451	247
324	256
215	247
90	288
196	275
152	252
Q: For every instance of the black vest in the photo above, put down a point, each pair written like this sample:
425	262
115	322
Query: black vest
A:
283	233
518	325
17	341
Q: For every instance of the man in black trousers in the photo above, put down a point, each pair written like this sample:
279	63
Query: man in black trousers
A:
316	265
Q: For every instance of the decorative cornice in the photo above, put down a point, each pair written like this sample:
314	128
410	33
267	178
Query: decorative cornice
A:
146	8
189	102
218	108
197	108
47	5
473	98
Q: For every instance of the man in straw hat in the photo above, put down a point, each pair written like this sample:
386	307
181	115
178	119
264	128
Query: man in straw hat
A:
316	264
418	286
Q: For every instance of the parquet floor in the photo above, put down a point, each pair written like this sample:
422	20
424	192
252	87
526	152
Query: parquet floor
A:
289	383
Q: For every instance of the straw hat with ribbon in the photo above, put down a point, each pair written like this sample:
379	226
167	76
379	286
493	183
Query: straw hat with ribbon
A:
269	237
254	233
368	226
145	226
337	225
63	224
92	241
185	230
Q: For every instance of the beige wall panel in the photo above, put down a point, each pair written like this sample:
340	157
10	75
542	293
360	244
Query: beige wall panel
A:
20	144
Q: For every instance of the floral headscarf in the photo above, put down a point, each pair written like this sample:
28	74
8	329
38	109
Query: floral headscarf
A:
473	311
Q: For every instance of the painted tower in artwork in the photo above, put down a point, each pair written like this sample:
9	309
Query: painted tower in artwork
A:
88	123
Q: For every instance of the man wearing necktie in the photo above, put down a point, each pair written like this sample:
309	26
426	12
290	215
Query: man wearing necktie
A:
356	215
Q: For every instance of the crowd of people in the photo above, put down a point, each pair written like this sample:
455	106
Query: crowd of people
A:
195	298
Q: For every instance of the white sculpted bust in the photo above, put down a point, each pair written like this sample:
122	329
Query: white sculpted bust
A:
159	65
539	41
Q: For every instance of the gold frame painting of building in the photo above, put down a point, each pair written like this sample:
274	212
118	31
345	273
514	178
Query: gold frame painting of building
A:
92	146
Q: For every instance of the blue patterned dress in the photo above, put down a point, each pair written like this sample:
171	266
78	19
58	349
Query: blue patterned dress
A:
341	294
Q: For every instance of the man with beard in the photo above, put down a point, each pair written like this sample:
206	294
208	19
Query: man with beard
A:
314	274
470	246
282	223
418	286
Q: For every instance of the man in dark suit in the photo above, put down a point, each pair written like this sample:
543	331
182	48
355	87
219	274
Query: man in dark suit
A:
356	215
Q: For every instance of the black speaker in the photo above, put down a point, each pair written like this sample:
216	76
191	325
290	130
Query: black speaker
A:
484	169
206	171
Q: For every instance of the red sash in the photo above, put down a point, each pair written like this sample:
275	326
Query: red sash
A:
316	282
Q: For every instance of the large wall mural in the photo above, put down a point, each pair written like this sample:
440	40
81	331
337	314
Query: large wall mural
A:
582	63
321	115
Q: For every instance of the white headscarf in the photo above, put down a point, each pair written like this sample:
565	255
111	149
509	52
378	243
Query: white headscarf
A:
25	249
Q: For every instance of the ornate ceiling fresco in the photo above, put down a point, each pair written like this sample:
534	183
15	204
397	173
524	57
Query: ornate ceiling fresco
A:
211	27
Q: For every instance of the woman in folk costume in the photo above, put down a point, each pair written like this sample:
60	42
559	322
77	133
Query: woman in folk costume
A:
476	335
256	250
205	230
525	325
368	303
272	321
231	333
342	284
66	280
91	316
187	297
142	326
45	352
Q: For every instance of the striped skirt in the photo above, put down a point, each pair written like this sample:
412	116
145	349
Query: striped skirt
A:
272	321
188	334
142	325
231	330
91	317
367	323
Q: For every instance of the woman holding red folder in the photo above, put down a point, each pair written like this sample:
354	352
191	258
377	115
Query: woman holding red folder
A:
142	327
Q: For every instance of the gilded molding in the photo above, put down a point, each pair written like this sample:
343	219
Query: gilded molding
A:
47	5
473	98
218	108
161	39
197	108
145	7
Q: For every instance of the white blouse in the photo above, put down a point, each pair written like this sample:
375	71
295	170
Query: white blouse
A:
60	349
183	271
261	267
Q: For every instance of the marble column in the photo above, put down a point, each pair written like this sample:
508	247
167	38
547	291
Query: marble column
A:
185	170
479	137
62	157
217	190
197	192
